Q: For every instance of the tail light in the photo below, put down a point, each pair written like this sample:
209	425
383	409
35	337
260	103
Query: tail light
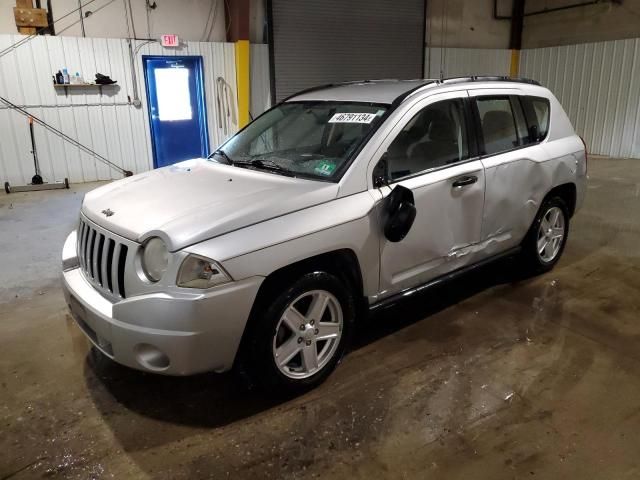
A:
586	156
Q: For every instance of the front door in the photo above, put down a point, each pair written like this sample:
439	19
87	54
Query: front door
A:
431	154
176	108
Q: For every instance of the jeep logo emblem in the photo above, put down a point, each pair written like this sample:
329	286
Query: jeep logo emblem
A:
108	212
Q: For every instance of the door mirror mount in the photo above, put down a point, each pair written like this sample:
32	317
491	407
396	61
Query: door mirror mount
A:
381	172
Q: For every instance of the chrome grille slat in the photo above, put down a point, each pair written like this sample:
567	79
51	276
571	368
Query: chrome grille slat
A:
79	243
109	259
83	239
90	258
122	261
114	269
84	248
103	258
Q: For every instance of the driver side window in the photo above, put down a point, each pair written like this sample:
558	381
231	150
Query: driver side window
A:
434	137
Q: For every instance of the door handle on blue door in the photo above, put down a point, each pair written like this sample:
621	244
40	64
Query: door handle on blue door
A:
464	181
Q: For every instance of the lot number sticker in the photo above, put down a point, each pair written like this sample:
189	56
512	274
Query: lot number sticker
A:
352	118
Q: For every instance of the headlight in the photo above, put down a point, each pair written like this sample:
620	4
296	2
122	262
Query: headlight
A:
200	272
155	259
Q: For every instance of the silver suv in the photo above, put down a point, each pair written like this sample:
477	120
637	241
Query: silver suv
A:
340	197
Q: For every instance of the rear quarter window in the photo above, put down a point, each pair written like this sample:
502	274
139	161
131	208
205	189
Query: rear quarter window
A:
537	112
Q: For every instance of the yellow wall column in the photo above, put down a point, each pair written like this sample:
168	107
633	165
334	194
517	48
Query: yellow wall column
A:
243	81
515	63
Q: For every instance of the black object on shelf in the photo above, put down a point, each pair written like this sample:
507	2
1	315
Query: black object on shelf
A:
104	79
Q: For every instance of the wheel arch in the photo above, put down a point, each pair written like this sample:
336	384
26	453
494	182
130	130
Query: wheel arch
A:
568	193
343	263
333	262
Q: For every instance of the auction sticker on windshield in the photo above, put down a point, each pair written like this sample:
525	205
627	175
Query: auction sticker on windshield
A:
352	118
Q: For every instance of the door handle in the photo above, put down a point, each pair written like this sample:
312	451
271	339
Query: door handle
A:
464	181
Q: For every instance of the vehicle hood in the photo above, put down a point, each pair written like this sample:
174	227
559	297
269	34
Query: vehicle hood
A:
196	200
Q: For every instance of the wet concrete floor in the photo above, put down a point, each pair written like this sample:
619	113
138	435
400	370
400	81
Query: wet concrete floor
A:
493	376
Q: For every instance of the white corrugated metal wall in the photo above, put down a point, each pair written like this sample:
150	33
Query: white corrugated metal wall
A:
105	122
456	62
598	84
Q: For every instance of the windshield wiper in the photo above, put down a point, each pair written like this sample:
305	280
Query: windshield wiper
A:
265	164
223	154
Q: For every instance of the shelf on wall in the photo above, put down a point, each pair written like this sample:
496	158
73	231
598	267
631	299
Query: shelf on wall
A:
81	85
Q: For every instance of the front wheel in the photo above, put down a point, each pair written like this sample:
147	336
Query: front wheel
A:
547	237
302	336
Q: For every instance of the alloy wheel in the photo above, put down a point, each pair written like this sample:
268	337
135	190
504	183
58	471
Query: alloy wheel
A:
308	334
551	234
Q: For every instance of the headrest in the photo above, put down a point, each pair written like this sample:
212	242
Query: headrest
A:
442	129
418	129
497	121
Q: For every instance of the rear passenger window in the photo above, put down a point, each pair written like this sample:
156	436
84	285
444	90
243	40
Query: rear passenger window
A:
434	137
536	110
498	124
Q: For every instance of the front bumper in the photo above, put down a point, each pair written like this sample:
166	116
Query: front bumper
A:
170	333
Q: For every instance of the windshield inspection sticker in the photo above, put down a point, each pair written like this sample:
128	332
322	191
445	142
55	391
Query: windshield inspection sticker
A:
352	118
325	168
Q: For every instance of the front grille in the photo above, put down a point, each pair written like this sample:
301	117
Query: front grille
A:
102	258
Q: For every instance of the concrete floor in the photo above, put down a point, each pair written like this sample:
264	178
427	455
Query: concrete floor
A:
491	377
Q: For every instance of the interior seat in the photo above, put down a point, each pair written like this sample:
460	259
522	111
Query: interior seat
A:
399	150
441	147
499	131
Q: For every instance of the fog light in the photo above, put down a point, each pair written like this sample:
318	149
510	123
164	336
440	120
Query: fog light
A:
151	357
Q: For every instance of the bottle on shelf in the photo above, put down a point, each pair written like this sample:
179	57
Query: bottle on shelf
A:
59	78
79	79
65	76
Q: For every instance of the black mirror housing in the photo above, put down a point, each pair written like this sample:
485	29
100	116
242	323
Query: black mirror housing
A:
399	224
401	213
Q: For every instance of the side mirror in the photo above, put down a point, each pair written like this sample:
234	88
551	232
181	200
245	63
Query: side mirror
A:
401	213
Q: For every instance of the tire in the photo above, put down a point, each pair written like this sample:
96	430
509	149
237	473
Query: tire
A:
278	332
7	187
547	231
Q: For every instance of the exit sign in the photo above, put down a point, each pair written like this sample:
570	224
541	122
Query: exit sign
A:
169	41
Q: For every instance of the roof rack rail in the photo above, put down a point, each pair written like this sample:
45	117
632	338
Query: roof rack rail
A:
325	86
356	82
427	83
489	78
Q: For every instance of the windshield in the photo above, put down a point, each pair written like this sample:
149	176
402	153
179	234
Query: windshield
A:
308	139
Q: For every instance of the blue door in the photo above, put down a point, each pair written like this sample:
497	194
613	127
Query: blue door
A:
176	108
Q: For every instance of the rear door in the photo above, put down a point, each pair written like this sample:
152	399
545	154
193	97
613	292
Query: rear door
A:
511	156
431	151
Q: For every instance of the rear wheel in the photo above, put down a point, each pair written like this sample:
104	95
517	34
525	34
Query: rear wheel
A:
302	335
547	237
